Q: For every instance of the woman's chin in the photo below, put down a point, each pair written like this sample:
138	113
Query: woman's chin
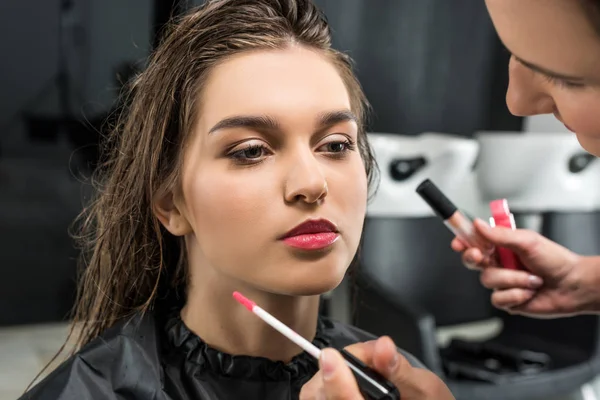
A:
311	286
302	277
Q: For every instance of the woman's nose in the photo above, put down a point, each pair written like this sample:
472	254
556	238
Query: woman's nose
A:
526	94
305	180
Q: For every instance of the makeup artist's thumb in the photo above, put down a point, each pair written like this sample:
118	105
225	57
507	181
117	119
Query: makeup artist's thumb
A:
514	239
338	381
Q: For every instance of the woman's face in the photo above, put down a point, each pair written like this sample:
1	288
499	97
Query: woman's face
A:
555	63
275	147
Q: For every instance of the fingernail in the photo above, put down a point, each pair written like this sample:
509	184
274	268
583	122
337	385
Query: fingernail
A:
327	364
482	224
473	267
535	281
393	363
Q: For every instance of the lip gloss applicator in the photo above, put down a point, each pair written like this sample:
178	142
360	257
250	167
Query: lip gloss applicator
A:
372	385
453	218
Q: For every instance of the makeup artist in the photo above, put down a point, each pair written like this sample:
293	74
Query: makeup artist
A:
554	69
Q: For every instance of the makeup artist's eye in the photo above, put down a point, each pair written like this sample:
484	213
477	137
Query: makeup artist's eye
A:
555	81
252	153
563	83
338	148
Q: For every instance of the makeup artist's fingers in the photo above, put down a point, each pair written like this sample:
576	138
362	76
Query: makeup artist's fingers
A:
511	297
386	356
413	383
338	380
515	239
473	258
501	278
457	245
363	351
314	388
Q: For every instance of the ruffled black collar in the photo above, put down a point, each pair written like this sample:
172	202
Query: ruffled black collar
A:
205	357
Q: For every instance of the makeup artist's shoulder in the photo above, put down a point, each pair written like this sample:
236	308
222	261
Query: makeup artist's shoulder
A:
342	335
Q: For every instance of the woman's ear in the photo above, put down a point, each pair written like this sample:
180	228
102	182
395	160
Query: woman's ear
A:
171	215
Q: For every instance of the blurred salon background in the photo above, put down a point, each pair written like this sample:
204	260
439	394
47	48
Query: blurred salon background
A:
435	73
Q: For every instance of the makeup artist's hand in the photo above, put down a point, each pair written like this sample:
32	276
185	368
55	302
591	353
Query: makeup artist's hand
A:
556	282
335	381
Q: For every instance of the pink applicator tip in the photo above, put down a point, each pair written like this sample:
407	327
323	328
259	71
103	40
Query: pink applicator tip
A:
249	304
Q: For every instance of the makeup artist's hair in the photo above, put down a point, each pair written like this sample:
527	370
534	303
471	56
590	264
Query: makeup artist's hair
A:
591	9
129	260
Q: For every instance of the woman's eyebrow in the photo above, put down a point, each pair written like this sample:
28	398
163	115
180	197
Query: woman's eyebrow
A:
268	123
256	122
336	117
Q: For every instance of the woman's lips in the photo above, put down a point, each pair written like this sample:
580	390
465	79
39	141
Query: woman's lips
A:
312	241
312	234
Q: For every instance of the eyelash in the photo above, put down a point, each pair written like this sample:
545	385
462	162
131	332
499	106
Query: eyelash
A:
239	158
553	80
562	83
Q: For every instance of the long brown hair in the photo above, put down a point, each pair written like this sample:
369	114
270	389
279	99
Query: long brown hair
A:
127	257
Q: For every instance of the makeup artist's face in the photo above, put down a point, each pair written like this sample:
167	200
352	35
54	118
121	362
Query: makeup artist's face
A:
555	63
274	147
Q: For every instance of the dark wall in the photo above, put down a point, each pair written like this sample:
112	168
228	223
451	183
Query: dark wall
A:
39	195
427	65
99	35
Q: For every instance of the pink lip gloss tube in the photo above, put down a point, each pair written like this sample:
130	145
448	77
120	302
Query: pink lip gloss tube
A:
501	216
453	218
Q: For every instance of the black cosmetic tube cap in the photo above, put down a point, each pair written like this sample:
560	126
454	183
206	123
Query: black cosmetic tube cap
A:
436	199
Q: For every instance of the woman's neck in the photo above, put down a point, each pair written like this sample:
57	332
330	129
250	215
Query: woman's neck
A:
212	314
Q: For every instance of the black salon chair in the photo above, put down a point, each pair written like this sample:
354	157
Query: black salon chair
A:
409	283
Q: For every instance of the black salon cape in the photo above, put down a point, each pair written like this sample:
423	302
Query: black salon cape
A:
139	360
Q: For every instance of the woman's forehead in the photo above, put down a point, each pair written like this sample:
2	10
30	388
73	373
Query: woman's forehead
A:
278	83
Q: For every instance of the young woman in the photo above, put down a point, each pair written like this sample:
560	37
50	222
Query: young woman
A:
241	164
555	46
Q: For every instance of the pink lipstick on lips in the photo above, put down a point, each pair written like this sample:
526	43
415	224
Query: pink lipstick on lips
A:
313	234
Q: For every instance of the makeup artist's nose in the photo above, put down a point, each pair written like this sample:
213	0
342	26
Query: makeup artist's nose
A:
305	181
527	94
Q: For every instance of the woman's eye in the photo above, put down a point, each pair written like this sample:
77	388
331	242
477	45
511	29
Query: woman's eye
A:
337	148
250	154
